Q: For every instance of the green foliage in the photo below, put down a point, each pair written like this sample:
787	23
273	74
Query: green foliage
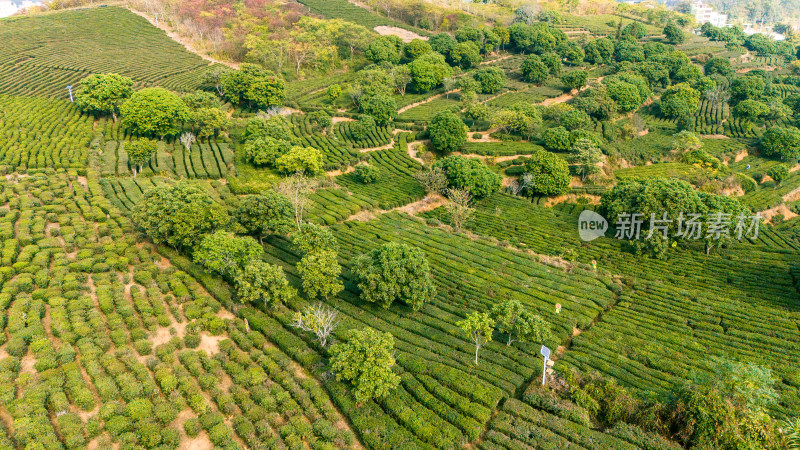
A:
393	272
140	151
674	34
262	282
417	48
320	272
680	101
153	111
448	132
102	94
575	79
365	360
429	71
718	65
553	63
209	121
381	107
465	55
491	79
179	214
546	174
263	215
312	238
585	153
534	70
225	253
307	160
556	138
254	86
264	151
470	174
385	49
478	327
367	174
520	324
781	142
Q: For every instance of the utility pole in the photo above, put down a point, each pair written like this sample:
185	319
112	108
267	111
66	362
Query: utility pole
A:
156	14
69	88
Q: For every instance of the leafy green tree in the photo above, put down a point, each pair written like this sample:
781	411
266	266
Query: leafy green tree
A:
365	360
225	253
491	79
139	152
417	48
750	111
718	65
546	174
575	79
334	92
680	101
478	327
153	111
748	87
674	34
599	51
179	214
475	112
265	150
778	173
520	324
469	174
381	107
209	121
625	95
385	49
300	159
553	63
264	215
724	408
442	43
367	174
312	238
518	120
254	86
263	282
575	120
635	30
465	55
447	131
393	272
586	155
571	52
320	121
276	127
556	138
781	142
428	71
360	129
320	272
687	141
629	51
534	70
102	94
200	99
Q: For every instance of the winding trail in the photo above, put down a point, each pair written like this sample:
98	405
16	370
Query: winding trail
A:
427	100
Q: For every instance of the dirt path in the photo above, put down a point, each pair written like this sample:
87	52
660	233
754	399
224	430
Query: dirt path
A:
427	100
336	173
496	159
405	35
413	151
183	41
570	95
428	203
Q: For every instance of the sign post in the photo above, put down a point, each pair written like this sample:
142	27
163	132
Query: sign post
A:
546	353
69	88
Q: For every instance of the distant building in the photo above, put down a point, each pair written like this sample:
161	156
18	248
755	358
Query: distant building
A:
705	14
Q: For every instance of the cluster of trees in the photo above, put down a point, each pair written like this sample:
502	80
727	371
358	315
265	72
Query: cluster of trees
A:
151	111
677	199
269	142
511	318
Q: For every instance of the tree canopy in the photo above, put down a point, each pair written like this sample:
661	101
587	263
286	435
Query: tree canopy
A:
394	272
178	214
470	174
103	94
447	131
366	359
546	174
154	111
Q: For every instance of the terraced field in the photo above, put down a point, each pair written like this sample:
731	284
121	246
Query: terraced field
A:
43	55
